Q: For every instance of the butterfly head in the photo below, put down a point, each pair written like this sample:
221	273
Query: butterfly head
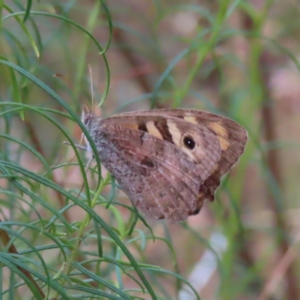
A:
87	117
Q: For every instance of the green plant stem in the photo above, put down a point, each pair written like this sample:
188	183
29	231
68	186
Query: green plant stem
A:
83	225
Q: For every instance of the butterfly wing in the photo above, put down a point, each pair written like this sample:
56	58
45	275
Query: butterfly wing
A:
161	163
232	139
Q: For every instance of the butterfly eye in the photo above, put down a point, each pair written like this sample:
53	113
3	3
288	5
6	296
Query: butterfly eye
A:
189	142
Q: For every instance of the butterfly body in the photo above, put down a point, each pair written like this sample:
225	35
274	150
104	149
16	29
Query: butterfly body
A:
167	161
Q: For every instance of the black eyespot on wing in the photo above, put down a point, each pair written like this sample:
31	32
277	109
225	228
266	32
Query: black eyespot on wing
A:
189	142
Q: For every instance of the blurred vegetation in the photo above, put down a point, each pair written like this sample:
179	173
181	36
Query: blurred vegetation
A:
236	58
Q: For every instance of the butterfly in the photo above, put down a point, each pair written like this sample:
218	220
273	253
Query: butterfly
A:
168	161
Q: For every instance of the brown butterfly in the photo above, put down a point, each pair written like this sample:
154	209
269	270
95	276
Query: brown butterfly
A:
168	161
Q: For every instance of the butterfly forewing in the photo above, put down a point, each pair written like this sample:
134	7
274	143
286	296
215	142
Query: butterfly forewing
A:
232	139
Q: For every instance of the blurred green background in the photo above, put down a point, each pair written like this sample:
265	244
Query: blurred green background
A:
235	58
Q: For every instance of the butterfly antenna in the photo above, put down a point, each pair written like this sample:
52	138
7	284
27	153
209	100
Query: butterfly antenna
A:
86	109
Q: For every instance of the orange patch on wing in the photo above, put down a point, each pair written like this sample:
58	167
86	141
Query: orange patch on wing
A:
133	126
218	129
152	129
175	132
191	119
224	143
221	133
